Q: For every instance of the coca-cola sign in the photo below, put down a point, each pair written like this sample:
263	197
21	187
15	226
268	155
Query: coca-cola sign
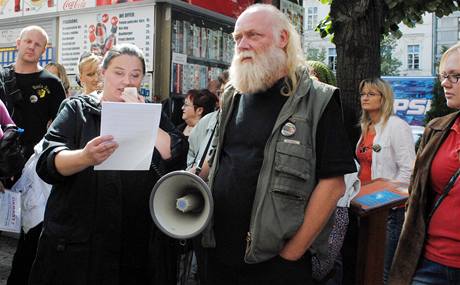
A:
73	4
66	5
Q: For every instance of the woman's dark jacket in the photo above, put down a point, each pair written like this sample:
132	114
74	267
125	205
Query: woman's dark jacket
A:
412	239
84	221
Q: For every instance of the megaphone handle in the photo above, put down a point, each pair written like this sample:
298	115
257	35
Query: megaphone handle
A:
183	242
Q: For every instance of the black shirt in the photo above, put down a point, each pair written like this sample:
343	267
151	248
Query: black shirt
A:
42	94
241	159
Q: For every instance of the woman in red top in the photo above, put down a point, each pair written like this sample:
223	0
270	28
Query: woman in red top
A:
385	150
429	251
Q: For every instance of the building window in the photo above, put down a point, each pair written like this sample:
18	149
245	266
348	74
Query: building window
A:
332	59
413	57
312	18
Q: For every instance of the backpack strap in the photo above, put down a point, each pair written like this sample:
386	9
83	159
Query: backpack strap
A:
2	85
13	95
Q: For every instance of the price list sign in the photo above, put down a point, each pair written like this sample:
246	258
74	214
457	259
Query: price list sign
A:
99	32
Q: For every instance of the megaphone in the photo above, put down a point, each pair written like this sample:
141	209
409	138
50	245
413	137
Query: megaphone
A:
181	204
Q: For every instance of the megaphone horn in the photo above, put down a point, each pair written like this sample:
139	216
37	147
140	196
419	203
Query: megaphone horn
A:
181	204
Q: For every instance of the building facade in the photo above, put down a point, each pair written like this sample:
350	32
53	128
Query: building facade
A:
447	32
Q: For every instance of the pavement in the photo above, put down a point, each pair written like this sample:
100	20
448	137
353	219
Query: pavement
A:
8	244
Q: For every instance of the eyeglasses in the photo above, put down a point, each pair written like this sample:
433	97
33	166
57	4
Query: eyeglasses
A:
187	104
452	78
370	94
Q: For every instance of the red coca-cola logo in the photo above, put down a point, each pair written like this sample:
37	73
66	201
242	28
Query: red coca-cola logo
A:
73	4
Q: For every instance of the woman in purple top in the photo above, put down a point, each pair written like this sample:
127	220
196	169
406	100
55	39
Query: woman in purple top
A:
5	118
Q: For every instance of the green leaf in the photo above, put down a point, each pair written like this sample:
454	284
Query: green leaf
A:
325	27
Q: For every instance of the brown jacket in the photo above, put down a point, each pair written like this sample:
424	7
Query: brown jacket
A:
411	241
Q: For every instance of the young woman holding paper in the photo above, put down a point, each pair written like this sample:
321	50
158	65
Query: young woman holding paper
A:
385	150
97	227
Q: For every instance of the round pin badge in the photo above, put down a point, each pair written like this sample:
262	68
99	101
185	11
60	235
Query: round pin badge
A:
376	148
288	129
33	99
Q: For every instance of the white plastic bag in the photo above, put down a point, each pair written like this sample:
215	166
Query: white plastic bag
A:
10	211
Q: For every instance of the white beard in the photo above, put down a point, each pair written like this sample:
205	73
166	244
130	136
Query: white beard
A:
260	73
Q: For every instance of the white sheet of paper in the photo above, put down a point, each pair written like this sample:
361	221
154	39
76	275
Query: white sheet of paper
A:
134	127
10	211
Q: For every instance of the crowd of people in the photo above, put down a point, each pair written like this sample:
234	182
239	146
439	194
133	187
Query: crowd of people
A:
271	138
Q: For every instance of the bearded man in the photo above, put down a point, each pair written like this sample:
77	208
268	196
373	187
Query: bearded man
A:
277	172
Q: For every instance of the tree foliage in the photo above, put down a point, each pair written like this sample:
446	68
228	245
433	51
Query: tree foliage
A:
357	26
389	65
317	54
409	12
322	72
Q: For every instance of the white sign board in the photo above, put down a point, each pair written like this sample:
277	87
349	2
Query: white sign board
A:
98	32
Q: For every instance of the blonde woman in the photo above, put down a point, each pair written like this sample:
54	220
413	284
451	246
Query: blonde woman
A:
59	70
90	73
384	150
429	248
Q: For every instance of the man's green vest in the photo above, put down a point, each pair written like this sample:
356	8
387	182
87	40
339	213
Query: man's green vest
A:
287	176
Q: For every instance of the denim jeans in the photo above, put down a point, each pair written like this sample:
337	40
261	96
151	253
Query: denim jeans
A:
394	225
430	272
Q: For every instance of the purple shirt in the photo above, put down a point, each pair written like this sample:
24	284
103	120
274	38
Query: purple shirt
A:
5	118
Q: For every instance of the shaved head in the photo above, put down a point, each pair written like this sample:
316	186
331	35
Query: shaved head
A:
34	28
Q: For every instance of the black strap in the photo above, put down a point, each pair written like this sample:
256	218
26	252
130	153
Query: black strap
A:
446	191
203	157
13	94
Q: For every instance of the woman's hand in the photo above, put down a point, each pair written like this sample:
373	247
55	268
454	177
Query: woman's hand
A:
130	95
99	149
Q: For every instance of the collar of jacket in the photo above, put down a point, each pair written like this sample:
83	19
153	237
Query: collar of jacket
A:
90	103
304	82
443	123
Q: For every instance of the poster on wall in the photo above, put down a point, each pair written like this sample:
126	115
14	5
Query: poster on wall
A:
98	32
295	13
146	86
10	8
31	7
8	36
412	97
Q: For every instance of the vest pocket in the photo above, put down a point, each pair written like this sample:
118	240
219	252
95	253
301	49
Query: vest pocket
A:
289	208
293	159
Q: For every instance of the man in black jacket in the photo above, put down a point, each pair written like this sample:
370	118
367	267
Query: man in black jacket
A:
32	96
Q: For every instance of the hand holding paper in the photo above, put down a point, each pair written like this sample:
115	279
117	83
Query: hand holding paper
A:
134	128
99	149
